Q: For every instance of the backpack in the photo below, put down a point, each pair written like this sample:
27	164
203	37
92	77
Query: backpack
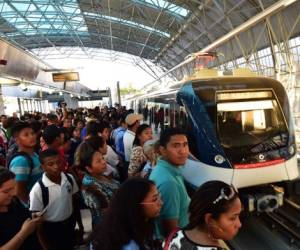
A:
12	149
45	190
25	155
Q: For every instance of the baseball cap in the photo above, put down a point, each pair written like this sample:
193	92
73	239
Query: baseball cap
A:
132	118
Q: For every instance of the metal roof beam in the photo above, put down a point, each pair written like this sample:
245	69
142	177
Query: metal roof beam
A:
71	29
110	28
153	74
29	23
182	29
124	40
150	33
129	32
280	5
43	14
215	23
276	7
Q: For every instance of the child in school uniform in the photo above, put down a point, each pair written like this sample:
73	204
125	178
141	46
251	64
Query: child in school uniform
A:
53	195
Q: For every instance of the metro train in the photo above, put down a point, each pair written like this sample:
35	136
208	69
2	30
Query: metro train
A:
240	131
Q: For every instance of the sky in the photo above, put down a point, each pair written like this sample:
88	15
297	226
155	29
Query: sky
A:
97	74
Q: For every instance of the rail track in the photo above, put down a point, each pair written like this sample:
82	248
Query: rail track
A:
279	230
286	220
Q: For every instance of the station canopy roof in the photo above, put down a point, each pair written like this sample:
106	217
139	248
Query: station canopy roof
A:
144	28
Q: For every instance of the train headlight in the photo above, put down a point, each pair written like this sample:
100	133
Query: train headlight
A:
291	150
219	159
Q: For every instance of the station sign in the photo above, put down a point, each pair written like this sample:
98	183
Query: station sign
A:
100	93
96	95
65	77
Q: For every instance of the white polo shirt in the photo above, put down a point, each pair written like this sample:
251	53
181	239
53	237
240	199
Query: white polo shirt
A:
128	139
60	205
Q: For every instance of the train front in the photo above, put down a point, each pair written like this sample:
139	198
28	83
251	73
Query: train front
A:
244	136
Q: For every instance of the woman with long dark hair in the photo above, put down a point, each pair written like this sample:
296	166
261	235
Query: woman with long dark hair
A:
128	223
213	216
138	159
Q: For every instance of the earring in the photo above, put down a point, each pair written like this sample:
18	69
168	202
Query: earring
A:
210	236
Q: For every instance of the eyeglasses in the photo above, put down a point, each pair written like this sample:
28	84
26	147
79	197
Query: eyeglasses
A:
224	196
157	200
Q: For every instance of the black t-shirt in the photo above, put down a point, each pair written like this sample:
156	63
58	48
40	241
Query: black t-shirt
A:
11	223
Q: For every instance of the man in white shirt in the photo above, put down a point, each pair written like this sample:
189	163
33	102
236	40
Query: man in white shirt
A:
133	122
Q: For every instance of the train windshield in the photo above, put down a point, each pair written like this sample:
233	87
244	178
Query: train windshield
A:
251	121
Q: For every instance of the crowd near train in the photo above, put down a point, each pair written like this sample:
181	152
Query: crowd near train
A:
172	172
240	131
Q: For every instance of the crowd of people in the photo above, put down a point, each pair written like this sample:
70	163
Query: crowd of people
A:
105	160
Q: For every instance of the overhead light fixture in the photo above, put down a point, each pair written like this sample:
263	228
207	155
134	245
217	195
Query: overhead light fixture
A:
60	93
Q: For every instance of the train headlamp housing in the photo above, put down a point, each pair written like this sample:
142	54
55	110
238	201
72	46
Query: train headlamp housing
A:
219	159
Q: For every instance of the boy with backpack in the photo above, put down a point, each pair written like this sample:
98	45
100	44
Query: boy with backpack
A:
52	195
25	162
